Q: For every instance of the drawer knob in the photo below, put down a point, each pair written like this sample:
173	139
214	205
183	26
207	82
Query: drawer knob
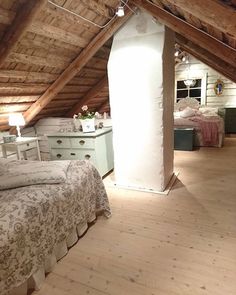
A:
81	142
72	154
59	141
27	144
59	156
87	157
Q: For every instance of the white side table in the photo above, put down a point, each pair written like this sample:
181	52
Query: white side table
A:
22	144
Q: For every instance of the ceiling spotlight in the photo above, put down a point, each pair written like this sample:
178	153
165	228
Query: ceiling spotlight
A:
184	58
176	53
120	11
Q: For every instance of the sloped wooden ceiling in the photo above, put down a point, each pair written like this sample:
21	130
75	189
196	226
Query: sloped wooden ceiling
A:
52	62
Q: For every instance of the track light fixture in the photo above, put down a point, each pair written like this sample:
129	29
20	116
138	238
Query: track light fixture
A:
120	11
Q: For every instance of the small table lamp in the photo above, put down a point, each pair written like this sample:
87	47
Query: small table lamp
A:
17	120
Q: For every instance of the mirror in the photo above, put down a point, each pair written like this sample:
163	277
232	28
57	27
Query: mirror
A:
218	87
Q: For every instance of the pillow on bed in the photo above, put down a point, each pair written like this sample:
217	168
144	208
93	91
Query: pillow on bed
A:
187	112
24	173
209	111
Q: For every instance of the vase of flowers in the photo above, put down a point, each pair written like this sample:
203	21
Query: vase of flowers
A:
86	118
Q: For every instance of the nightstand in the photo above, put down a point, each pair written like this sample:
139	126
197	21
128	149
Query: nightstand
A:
21	146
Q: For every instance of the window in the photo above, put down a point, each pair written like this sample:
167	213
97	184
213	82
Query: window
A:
197	91
194	91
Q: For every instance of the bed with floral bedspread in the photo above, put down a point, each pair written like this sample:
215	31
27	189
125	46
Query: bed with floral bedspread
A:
36	219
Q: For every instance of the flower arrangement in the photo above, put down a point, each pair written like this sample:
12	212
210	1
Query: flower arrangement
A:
85	114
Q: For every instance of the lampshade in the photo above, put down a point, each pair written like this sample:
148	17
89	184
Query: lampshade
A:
16	119
120	11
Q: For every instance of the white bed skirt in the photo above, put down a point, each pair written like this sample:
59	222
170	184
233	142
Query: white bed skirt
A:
60	250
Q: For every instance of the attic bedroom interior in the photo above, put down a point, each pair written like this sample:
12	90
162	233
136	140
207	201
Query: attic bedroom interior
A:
117	158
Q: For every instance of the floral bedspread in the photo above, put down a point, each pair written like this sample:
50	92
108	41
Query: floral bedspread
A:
33	219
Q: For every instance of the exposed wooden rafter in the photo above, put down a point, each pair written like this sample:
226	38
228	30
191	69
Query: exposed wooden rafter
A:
207	57
193	34
214	13
88	96
24	17
75	66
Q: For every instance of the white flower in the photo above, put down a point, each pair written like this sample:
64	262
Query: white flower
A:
84	108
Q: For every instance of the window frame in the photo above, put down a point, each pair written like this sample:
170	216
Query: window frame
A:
203	88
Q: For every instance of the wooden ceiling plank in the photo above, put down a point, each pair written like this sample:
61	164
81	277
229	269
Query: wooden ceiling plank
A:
6	16
207	57
103	105
49	60
195	35
23	19
57	33
59	13
214	13
88	96
98	7
16	98
75	66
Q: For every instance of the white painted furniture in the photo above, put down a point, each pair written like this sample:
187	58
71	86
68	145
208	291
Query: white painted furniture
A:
21	146
94	146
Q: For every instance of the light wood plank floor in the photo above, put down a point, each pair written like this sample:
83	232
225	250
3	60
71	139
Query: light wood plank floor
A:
183	243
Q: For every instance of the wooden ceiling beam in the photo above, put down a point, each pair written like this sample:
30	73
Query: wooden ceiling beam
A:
23	19
207	57
88	96
193	34
75	66
214	13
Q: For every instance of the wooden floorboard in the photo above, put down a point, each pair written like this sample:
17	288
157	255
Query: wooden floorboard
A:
180	244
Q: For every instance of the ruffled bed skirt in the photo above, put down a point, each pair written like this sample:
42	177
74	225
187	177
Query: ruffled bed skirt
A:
60	250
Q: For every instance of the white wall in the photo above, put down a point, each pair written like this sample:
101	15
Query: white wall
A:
198	70
136	78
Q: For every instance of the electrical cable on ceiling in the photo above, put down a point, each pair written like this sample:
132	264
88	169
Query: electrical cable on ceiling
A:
173	15
85	19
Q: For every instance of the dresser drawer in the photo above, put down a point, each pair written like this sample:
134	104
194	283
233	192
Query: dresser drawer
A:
87	155
27	146
59	142
85	143
60	154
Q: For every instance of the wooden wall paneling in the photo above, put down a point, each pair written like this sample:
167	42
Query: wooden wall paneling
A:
194	35
88	96
24	17
75	66
214	13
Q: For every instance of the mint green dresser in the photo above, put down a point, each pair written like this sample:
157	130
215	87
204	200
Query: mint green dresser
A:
94	146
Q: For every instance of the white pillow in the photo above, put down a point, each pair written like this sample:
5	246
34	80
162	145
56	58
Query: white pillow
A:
209	111
187	112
